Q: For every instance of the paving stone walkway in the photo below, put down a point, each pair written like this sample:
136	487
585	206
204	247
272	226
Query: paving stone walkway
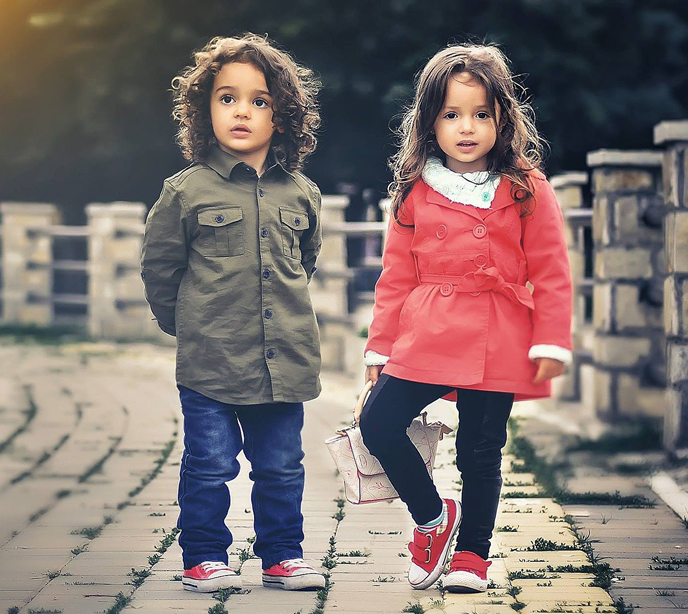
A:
90	441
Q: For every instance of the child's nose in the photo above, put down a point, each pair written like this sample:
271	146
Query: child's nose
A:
466	125
242	109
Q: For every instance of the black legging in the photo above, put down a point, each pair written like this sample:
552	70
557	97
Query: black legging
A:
393	404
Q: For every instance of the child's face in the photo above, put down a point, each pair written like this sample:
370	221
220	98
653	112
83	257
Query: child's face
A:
241	113
465	128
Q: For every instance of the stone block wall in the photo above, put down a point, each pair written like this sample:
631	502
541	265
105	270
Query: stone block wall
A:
570	189
117	306
27	262
673	136
629	271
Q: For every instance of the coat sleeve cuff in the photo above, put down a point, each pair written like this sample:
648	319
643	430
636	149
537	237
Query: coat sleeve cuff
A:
551	351
373	359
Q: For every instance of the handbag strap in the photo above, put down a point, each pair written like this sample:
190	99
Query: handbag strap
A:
358	408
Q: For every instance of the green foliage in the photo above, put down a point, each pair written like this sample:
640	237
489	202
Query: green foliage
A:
121	602
88	532
601	75
138	576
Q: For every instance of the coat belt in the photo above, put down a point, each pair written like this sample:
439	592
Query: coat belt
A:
483	280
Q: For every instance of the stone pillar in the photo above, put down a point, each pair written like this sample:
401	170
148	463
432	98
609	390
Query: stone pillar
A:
117	306
629	345
570	189
674	136
329	286
27	262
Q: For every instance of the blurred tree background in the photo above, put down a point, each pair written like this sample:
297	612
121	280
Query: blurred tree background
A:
85	102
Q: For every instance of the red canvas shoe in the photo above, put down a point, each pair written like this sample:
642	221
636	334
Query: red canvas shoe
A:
293	575
429	550
467	573
210	576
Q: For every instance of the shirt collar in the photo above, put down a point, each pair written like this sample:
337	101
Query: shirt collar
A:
224	163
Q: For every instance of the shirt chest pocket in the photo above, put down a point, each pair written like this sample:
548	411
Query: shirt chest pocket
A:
293	225
221	231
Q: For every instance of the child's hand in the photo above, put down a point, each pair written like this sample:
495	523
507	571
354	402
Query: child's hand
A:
547	369
372	374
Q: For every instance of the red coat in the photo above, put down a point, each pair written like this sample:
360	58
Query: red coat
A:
451	305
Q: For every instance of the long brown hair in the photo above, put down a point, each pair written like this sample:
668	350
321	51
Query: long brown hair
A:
518	148
293	88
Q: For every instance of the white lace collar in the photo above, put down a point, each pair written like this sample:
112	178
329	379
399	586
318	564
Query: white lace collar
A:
476	189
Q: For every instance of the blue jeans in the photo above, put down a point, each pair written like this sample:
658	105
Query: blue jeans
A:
212	441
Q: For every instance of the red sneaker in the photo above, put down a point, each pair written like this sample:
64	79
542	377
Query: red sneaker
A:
430	549
210	576
293	575
467	573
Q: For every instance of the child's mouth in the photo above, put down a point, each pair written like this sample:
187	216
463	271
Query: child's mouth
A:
467	145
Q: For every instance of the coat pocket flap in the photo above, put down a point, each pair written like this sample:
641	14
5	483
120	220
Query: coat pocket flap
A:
219	216
296	220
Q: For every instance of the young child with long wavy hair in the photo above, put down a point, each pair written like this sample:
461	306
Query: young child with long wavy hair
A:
474	220
229	249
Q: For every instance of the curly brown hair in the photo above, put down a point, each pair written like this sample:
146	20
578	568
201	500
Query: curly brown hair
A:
293	88
518	148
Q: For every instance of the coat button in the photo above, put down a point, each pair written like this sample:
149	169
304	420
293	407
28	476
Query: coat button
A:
270	353
268	313
219	219
441	231
264	233
297	221
481	260
479	231
260	192
266	274
446	289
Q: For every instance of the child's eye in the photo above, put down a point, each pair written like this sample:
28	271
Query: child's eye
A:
482	115
261	103
450	115
226	99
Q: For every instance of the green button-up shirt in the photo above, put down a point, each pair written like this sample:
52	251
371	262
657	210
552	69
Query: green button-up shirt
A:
226	260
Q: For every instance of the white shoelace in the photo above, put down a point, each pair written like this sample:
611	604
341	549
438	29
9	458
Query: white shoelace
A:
213	565
291	563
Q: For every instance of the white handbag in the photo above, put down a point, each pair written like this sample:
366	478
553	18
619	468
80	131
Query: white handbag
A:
365	481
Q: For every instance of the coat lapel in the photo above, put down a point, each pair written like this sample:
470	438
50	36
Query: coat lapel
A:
502	198
436	198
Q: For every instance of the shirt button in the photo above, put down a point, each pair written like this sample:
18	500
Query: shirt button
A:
264	233
266	274
479	231
297	221
441	231
219	219
268	313
271	353
446	289
481	260
261	193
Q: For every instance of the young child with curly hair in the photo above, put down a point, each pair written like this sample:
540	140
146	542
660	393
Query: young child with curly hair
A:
228	252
